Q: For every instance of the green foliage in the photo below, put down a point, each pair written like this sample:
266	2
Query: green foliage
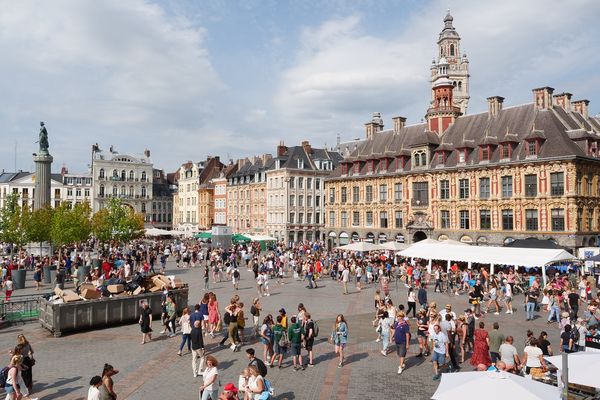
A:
40	224
70	224
14	220
117	222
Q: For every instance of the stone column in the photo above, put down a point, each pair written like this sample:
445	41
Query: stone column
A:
43	164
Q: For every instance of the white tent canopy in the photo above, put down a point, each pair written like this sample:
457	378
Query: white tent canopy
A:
261	238
157	232
492	386
583	367
362	247
487	254
394	246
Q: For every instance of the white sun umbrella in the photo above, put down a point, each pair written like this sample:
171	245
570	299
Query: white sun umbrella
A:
583	367
450	241
362	247
492	386
157	232
394	246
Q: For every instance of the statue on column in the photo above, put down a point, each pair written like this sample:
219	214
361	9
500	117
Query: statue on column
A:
43	139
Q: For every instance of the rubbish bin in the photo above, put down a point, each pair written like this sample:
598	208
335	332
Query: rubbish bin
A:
51	274
82	272
46	274
18	278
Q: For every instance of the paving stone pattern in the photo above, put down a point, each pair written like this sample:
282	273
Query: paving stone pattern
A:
155	371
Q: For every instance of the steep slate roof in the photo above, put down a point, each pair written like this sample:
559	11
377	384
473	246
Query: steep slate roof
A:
555	128
295	153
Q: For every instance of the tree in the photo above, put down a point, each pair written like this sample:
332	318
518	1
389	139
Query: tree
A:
14	220
39	226
70	224
117	222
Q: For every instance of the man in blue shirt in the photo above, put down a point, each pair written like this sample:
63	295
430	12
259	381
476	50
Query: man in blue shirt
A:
401	338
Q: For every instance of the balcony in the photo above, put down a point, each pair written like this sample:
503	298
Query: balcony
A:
419	203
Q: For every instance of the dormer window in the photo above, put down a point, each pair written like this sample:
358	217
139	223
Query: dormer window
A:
420	158
300	164
357	167
505	150
344	169
532	148
462	155
484	153
370	167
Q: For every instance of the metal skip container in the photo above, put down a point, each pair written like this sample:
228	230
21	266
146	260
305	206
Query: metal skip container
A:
104	312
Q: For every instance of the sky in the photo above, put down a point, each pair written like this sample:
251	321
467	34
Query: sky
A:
187	79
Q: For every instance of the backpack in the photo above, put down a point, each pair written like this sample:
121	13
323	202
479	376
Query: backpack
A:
575	335
226	318
315	329
253	310
236	274
268	392
283	340
4	376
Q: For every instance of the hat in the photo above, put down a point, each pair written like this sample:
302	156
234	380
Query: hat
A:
230	387
565	314
282	311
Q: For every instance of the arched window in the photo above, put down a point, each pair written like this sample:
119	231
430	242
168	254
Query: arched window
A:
114	190
115	173
131	191
451	49
441	52
123	190
459	85
143	190
123	175
101	174
131	176
101	190
143	207
143	175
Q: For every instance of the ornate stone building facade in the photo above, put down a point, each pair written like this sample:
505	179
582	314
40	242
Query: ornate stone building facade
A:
524	171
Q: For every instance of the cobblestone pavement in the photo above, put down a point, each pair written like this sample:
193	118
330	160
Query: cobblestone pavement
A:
155	371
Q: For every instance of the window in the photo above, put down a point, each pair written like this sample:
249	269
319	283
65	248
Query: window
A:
462	155
87	192
331	195
444	189
301	201
344	219
143	176
557	183
531	220
463	188
344	195
578	180
317	201
420	158
383	219
355	194
69	192
532	148
309	201
580	219
101	173
464	219
369	218
143	191
507	186
131	175
505	151
309	183
300	218
590	219
485	219
300	183
355	218
292	182
309	218
114	190
420	194
531	185
398	219
369	193
383	193
558	219
485	153
397	192
589	182
332	218
292	216
445	219
484	188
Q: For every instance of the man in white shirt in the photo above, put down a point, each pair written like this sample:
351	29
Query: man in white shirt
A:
345	278
440	349
509	355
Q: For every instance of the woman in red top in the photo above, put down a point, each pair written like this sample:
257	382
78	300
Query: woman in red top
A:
481	347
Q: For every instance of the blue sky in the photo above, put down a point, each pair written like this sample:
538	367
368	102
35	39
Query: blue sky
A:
188	78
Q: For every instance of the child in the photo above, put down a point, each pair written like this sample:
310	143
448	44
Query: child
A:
377	298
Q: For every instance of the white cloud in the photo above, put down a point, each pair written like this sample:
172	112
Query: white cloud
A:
343	72
95	70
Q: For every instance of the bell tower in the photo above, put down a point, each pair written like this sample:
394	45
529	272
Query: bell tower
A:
458	65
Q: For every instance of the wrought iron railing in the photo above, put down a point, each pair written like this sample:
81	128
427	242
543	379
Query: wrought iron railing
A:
20	308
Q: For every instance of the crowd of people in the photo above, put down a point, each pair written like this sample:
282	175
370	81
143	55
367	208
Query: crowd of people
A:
449	337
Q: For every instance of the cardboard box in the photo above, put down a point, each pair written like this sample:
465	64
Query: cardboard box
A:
116	288
58	292
177	283
69	296
86	286
155	289
138	290
163	278
90	294
159	282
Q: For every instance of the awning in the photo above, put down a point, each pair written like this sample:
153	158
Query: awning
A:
261	238
157	232
203	235
433	250
362	247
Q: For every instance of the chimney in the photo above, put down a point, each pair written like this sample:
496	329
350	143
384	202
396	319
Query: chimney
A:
240	163
542	97
266	158
64	170
306	147
494	105
581	106
147	153
563	100
399	123
281	149
374	126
